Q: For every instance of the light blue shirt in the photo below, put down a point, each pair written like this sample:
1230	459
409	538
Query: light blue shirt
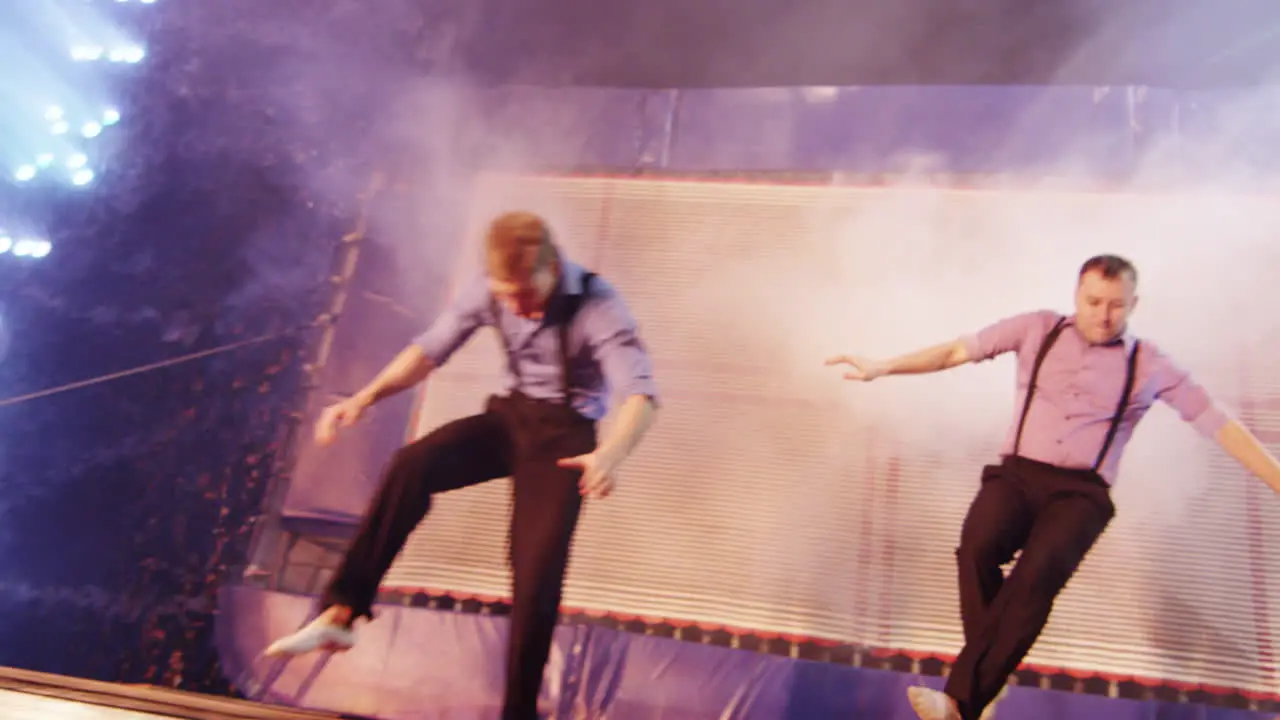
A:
605	352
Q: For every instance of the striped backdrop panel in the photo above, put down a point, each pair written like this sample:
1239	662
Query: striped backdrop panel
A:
773	496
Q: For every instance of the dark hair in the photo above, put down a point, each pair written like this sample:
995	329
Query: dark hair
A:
1109	267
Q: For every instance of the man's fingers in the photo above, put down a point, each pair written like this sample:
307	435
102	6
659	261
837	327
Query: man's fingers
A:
837	360
570	462
595	486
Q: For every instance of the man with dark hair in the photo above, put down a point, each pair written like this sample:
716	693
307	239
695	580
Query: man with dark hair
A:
570	339
1084	382
1110	267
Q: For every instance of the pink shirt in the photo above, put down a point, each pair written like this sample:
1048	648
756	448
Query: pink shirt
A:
1079	388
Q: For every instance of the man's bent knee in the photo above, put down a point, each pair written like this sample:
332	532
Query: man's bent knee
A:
981	553
1047	572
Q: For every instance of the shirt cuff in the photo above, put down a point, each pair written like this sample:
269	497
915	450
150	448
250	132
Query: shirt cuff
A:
431	348
1211	421
641	386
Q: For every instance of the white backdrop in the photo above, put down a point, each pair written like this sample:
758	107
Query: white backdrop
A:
773	496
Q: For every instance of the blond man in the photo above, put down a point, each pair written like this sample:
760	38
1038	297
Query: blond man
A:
570	344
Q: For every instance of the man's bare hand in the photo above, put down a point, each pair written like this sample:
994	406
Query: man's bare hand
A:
598	473
861	368
339	416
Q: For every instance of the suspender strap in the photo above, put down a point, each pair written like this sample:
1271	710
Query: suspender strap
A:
572	305
1124	405
1049	340
567	311
1116	419
512	365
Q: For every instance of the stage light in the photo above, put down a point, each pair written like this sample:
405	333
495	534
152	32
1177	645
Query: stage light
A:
29	247
128	54
32	248
79	114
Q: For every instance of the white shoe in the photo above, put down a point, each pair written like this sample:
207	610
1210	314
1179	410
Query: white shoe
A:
319	634
932	704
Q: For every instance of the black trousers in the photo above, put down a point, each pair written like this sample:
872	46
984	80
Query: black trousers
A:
517	437
1053	516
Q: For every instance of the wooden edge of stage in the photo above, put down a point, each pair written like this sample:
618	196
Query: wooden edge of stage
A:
149	698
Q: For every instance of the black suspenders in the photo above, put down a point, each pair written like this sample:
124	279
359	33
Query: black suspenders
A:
1049	340
567	311
573	303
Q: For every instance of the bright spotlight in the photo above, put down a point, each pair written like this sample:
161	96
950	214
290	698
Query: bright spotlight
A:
128	54
52	113
6	244
44	160
111	116
62	127
80	178
25	173
91	130
77	160
32	248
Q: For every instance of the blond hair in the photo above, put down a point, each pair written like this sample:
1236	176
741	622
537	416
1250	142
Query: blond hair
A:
518	244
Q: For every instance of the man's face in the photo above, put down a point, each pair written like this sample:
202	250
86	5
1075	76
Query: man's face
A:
1103	305
527	296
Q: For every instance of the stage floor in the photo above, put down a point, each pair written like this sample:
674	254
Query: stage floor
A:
26	695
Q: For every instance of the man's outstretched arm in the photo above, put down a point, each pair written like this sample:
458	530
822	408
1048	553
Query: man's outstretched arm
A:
929	360
1245	447
430	350
1194	404
408	368
1007	335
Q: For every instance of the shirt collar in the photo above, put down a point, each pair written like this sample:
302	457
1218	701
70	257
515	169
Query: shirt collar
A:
1126	339
568	285
570	276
